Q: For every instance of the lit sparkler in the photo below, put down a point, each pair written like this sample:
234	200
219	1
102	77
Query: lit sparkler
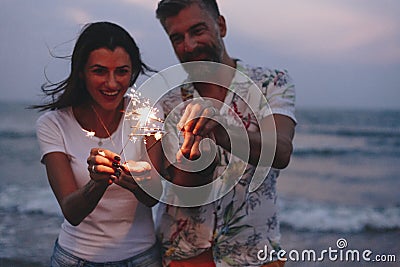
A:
144	118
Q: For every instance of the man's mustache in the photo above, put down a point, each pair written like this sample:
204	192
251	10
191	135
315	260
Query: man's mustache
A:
209	52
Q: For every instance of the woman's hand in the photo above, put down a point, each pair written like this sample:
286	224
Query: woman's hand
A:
133	172
104	165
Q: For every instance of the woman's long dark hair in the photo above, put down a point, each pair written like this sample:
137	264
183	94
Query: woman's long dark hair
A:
72	91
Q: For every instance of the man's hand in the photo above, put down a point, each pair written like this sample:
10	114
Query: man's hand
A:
197	123
198	118
195	146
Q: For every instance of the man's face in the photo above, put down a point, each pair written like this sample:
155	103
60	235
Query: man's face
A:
195	35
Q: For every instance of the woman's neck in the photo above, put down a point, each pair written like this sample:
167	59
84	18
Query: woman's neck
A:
103	122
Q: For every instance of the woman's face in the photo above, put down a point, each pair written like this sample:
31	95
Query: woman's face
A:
107	75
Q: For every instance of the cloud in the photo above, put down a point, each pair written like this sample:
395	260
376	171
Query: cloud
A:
325	29
148	4
332	47
77	15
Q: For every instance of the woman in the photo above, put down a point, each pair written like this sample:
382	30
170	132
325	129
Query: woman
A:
108	216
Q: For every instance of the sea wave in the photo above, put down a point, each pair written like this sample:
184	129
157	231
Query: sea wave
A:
324	151
343	151
352	131
368	132
310	216
17	134
299	214
319	144
24	200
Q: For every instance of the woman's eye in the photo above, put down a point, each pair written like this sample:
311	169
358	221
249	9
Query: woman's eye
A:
122	71
99	71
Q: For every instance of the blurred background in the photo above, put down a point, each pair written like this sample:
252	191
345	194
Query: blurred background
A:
344	56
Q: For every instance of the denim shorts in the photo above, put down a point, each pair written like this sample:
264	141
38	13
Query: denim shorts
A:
148	258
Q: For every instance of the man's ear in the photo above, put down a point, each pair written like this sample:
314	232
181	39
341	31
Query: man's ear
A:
222	26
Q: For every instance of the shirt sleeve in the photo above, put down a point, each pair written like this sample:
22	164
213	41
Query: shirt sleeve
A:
279	91
49	135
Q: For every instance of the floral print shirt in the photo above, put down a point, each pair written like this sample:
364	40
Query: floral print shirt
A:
241	223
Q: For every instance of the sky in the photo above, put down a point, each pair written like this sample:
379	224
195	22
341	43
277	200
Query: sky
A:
340	53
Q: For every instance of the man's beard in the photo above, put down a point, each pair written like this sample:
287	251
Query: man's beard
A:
201	72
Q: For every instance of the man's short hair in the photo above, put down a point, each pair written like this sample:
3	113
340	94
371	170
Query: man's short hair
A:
170	8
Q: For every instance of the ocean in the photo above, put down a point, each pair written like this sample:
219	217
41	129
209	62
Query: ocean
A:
342	184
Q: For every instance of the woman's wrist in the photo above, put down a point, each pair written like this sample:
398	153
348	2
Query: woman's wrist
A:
93	189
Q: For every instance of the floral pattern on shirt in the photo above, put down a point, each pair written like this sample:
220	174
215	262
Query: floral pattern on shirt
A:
240	223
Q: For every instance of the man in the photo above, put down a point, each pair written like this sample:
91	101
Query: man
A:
231	230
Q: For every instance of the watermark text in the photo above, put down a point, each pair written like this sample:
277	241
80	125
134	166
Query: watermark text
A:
339	253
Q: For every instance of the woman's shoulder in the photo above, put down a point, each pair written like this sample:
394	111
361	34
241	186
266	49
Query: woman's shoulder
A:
55	116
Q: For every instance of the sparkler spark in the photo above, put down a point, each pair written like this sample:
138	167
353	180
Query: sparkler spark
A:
143	117
158	135
89	134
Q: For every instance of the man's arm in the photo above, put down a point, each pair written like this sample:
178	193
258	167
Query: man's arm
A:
276	134
285	128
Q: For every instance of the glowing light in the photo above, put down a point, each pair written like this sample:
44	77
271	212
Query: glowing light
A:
89	134
144	118
158	135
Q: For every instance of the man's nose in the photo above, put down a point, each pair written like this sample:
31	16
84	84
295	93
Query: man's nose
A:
190	44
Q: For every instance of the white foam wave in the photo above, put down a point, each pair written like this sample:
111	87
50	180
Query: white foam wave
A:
300	214
310	216
25	200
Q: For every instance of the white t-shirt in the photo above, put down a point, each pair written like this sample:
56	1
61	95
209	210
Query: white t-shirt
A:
120	226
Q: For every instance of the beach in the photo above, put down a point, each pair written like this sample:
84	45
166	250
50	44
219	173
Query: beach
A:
342	184
31	245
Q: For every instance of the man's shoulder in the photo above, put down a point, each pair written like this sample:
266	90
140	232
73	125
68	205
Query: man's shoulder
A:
261	72
175	96
172	95
265	76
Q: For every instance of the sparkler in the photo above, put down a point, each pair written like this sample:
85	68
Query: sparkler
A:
144	119
141	112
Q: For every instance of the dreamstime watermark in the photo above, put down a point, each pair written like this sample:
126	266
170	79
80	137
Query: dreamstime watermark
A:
339	253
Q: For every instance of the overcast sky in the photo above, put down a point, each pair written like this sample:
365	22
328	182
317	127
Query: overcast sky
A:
340	53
